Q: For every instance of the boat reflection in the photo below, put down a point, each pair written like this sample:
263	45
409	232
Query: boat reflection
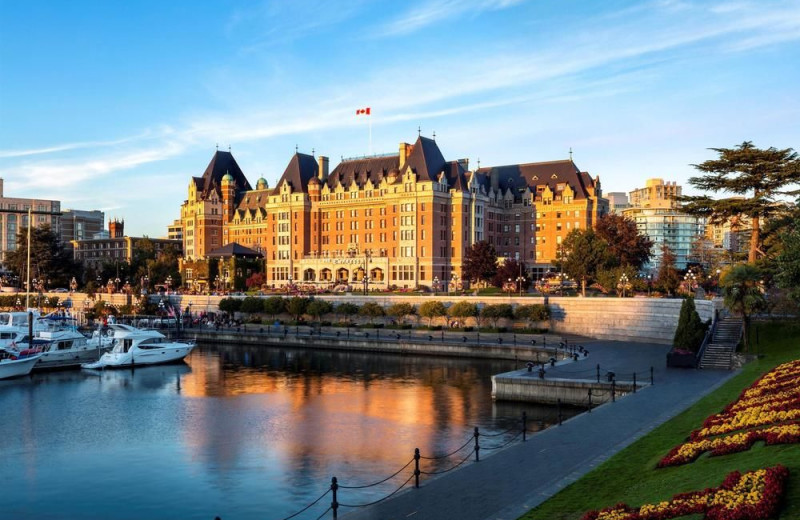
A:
148	378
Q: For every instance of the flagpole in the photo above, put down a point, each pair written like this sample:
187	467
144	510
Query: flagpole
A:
28	280
370	134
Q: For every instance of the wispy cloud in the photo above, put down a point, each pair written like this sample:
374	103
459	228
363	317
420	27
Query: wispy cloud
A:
433	11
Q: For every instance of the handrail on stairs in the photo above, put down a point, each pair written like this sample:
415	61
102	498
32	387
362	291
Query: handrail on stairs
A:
707	339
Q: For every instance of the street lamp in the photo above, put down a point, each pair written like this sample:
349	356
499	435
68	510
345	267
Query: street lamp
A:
623	283
289	285
366	284
168	282
73	284
520	280
435	284
454	281
116	284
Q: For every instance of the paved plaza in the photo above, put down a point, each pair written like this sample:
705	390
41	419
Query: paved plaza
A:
510	482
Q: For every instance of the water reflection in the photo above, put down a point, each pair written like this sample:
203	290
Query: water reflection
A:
238	431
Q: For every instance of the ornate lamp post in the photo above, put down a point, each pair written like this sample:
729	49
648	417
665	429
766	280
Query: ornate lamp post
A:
435	284
520	280
168	282
289	285
116	284
623	283
366	285
73	285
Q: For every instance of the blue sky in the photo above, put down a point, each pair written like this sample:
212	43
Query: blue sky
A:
115	105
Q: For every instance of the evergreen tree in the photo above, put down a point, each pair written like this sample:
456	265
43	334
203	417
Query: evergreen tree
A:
49	261
691	331
754	176
743	294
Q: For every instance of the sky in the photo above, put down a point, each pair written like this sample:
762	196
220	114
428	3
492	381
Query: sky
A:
116	105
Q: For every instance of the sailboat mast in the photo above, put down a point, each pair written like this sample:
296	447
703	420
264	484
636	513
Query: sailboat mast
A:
28	282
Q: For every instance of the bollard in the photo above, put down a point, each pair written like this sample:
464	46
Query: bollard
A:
598	372
463	339
515	339
559	412
442	335
378	333
613	390
634	382
590	400
544	341
524	425
416	468
398	336
334	503
652	379
477	446
499	341
430	338
530	366
533	342
541	372
575	356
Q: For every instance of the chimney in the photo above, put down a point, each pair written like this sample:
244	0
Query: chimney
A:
323	168
494	177
405	149
1	187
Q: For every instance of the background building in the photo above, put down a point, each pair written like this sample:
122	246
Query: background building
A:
116	248
175	230
77	224
617	202
657	214
14	216
402	219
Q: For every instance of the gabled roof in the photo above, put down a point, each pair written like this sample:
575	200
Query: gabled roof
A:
222	163
550	173
299	171
359	170
426	159
234	249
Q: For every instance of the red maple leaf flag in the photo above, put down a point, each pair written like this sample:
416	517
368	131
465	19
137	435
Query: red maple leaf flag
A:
363	111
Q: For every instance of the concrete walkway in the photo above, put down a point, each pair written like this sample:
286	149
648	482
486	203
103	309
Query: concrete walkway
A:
510	482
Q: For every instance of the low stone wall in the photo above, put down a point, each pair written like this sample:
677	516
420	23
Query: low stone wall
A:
528	387
386	344
625	319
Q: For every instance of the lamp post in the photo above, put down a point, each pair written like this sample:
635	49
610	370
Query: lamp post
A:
366	284
454	281
144	284
216	283
289	285
623	283
718	273
435	285
520	280
649	283
73	285
168	282
116	284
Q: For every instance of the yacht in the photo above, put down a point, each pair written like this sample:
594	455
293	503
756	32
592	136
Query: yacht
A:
132	346
66	348
11	366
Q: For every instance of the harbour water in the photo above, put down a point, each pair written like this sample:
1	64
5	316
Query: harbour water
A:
239	432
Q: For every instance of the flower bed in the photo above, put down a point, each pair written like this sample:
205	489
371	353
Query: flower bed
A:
755	495
767	410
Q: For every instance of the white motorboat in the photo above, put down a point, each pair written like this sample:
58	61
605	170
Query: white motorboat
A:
10	366
67	348
132	347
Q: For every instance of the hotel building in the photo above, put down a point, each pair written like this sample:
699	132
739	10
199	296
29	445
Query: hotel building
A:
403	219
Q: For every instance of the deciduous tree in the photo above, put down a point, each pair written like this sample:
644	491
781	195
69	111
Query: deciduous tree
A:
626	245
371	310
668	278
401	310
585	254
480	262
432	309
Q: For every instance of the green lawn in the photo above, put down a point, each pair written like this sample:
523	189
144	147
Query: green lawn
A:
631	475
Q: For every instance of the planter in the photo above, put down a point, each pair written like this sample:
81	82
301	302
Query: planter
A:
681	359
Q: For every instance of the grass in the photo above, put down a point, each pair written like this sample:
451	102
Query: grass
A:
631	475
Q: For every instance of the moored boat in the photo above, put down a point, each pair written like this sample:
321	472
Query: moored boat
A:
132	346
11	366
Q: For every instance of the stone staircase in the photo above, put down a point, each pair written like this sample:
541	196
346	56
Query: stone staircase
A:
720	350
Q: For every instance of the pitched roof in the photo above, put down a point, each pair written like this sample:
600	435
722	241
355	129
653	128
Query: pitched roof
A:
550	173
299	171
426	159
222	163
359	170
234	249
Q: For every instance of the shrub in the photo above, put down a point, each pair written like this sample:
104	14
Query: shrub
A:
691	330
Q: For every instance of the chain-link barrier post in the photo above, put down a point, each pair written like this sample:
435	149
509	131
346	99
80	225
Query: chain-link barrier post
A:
613	390
334	503
416	468
524	425
559	412
652	377
477	446
634	382
598	372
590	400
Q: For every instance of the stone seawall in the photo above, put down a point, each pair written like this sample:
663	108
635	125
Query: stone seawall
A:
624	319
528	387
372	344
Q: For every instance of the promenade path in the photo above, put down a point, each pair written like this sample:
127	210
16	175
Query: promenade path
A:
510	482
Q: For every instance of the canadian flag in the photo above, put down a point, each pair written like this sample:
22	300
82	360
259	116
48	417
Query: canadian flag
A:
363	111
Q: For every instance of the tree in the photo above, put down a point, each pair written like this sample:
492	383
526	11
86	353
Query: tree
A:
463	310
625	243
691	331
401	310
274	305
347	310
754	176
49	261
743	295
252	305
432	309
371	310
230	305
789	263
495	312
296	307
511	269
585	254
533	313
318	308
480	262
668	278
255	281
